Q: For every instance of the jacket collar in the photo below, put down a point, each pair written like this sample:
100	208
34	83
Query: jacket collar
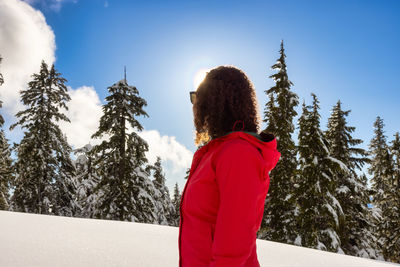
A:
265	142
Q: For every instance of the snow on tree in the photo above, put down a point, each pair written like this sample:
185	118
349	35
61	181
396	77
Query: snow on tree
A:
392	213
86	180
164	207
318	209
125	191
382	169
351	190
381	163
176	202
44	169
375	217
6	174
278	224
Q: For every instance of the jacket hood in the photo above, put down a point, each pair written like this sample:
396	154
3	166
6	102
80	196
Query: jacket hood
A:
265	142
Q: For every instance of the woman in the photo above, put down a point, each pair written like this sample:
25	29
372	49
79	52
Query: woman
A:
222	203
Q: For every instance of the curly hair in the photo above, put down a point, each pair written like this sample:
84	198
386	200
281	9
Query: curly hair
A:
225	95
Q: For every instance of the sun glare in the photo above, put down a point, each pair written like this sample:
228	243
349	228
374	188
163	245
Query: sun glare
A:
199	77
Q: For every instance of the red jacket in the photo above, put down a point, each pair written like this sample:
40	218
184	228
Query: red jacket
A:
222	204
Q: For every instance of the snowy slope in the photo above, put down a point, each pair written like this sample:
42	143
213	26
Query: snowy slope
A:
44	240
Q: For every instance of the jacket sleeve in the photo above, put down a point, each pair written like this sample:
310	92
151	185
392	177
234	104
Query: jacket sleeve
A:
241	183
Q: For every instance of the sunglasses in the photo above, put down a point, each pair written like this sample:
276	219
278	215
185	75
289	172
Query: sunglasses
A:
192	96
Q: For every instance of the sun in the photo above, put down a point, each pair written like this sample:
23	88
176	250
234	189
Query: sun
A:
199	77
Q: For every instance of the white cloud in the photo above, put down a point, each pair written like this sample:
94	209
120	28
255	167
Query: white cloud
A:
84	112
54	5
175	157
167	148
25	40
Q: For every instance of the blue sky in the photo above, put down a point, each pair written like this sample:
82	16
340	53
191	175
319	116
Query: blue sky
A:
345	50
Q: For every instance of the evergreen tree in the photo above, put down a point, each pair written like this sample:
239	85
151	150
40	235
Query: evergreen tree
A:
374	217
351	190
124	191
278	224
6	174
44	169
392	248
318	209
176	202
382	171
164	206
85	182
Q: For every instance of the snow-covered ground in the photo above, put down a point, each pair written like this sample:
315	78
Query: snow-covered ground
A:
44	240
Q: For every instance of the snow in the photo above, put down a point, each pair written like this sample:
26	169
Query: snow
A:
333	212
297	241
322	142
357	185
321	246
342	189
81	159
326	176
335	202
46	240
292	99
88	147
318	187
296	211
315	160
341	164
287	197
376	213
333	236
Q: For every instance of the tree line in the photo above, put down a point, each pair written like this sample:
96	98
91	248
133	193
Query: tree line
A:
316	199
111	180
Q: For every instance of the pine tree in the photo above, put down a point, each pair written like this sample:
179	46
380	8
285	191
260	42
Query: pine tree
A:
382	171
44	169
176	202
374	218
351	189
86	180
318	209
6	174
124	191
164	206
392	248
278	224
